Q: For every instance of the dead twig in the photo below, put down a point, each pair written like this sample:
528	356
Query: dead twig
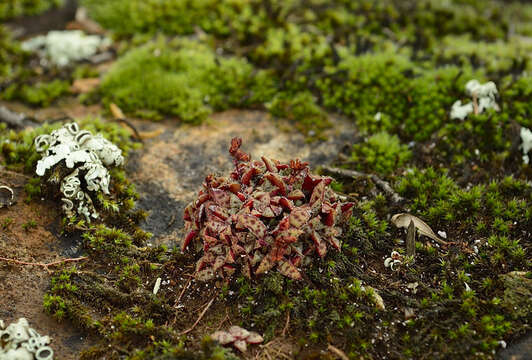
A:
46	266
385	186
200	316
132	127
287	324
183	291
14	119
337	351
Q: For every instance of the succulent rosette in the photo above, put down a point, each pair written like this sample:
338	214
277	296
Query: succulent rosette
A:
265	215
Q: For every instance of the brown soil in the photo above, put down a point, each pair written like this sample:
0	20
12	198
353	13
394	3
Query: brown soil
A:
22	287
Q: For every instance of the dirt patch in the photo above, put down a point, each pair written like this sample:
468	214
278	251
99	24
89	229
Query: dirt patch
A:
24	236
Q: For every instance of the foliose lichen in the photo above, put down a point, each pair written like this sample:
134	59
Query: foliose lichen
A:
62	48
18	341
88	155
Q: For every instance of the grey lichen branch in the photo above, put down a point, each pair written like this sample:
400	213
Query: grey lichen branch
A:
19	341
88	155
383	185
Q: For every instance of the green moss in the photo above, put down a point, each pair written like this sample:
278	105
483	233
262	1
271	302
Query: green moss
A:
13	8
302	109
179	78
381	153
10	56
38	94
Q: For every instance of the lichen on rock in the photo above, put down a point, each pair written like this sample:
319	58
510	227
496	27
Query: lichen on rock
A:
88	155
18	341
62	48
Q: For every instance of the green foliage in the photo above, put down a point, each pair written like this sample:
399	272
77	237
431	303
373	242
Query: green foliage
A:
381	153
10	55
179	78
13	8
302	109
38	94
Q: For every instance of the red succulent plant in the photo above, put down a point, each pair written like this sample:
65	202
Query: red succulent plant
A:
266	214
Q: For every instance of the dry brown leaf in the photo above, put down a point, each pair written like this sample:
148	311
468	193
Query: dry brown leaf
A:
82	86
337	352
402	220
144	135
116	111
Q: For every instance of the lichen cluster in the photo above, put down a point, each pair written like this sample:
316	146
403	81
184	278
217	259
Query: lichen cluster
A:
70	148
19	341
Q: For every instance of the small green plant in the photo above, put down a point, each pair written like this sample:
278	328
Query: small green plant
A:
382	153
31	224
7	221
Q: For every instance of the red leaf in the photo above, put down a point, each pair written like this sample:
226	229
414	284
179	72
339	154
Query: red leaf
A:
191	235
299	216
275	180
248	175
288	269
285	203
321	248
269	164
296	195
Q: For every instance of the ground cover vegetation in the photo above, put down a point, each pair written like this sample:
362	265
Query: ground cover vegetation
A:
394	68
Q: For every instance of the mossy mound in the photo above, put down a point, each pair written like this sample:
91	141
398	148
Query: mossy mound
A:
14	8
180	78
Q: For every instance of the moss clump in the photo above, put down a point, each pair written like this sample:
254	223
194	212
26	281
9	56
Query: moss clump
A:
10	56
13	8
302	109
382	153
179	78
39	94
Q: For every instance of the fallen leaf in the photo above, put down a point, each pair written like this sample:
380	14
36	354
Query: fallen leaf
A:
402	220
116	111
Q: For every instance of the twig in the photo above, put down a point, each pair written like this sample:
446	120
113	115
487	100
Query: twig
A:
200	316
183	291
337	351
357	174
131	126
14	119
287	324
46	266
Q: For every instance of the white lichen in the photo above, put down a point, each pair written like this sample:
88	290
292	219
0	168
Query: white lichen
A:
64	47
88	155
484	98
394	261
19	341
526	143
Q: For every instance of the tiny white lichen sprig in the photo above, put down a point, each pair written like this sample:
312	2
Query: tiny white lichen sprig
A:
88	155
526	143
484	98
394	261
